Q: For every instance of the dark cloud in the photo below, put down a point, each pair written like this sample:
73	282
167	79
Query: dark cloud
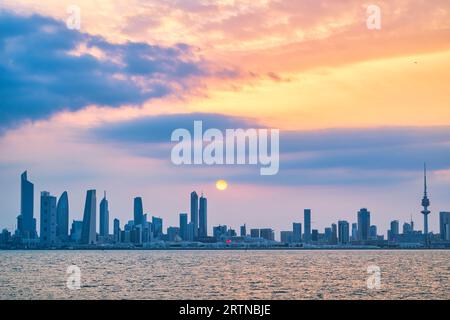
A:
158	129
39	76
338	156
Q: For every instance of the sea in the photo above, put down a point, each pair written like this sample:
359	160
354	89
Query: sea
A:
225	274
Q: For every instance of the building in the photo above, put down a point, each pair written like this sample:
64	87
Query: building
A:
328	235
5	237
48	219
394	231
136	234
373	232
157	227
88	233
104	217
343	232
406	228
286	236
219	232
363	224
203	218
334	234
307	223
444	225
173	233
254	233
62	217
231	233
243	232
354	231
138	211
184	226
267	234
194	212
190	234
76	230
26	223
314	235
296	232
116	230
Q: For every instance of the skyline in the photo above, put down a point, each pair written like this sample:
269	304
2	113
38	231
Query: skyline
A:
198	219
358	110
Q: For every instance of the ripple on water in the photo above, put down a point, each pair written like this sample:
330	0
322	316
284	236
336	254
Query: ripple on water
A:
225	274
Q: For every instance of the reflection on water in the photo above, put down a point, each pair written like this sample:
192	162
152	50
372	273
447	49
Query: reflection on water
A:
225	274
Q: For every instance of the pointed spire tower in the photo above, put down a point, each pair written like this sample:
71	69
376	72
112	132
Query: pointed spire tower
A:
425	205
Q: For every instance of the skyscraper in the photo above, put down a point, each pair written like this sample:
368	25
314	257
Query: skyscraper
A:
48	219
62	217
88	233
444	225
184	226
334	234
307	223
373	232
194	212
138	211
157	227
394	231
203	218
425	205
25	221
354	231
104	217
116	230
296	232
243	232
363	224
76	230
254	233
267	234
343	232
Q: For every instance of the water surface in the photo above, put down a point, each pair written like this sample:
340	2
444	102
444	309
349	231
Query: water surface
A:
225	274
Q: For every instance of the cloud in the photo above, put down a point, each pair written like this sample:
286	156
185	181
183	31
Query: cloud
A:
349	156
46	68
158	129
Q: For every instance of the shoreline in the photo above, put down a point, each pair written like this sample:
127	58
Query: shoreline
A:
231	249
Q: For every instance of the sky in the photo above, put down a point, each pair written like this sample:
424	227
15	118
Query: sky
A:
359	110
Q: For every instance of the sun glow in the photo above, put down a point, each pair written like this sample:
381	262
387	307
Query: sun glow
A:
221	185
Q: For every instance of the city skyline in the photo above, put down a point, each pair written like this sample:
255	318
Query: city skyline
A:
358	109
54	220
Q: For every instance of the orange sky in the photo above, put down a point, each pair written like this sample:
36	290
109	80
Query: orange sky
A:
302	64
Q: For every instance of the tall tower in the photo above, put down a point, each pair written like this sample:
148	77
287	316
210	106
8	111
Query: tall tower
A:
48	219
194	212
203	220
104	217
138	211
307	223
25	221
88	232
62	217
425	205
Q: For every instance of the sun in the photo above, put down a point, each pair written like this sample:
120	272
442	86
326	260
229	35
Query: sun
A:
221	185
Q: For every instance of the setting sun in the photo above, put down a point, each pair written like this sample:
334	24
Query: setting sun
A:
221	185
